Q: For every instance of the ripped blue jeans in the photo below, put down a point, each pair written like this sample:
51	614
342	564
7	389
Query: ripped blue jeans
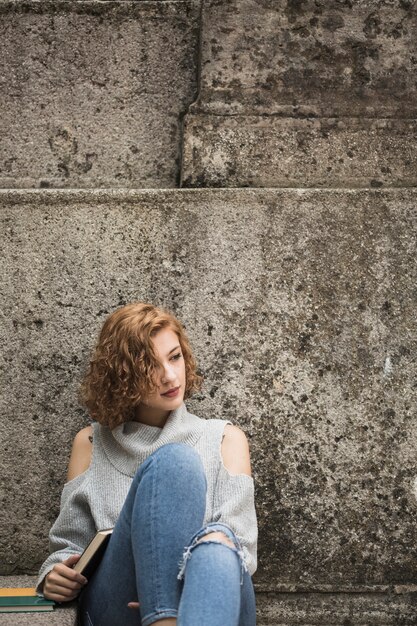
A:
156	556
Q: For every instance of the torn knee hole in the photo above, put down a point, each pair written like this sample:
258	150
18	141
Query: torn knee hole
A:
217	536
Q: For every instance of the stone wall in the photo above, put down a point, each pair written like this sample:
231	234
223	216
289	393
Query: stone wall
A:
301	308
303	93
93	93
300	303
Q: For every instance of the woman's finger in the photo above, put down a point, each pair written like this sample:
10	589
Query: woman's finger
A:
67	572
133	605
60	594
63	590
64	582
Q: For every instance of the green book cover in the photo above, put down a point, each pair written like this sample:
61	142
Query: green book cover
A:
24	604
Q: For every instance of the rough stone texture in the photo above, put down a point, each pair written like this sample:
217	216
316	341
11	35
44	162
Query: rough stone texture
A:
309	57
93	93
301	308
269	151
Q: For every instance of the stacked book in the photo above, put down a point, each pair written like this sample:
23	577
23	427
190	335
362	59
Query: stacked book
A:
23	600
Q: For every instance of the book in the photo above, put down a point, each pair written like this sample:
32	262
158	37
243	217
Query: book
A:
23	600
93	553
18	591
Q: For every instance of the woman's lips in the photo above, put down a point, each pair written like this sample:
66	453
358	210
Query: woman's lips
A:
172	393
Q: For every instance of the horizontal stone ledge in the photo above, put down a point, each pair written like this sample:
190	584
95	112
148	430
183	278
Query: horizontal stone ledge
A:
318	609
48	197
296	588
89	6
269	151
257	101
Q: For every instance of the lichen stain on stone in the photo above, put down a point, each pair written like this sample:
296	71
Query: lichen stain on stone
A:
62	142
297	6
372	26
333	22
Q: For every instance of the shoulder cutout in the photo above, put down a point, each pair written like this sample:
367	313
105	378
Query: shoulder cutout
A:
235	451
81	453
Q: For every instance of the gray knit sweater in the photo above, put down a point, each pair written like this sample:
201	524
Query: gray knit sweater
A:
93	500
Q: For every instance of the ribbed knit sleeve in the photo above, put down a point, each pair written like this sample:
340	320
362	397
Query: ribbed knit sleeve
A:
73	529
234	505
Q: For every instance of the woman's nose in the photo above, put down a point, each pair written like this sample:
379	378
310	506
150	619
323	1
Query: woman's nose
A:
168	374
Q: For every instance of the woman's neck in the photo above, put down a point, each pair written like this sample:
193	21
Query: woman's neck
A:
152	417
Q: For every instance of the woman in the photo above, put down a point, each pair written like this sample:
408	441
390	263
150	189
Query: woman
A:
177	489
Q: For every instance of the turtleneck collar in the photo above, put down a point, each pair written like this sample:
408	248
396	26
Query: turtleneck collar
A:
129	444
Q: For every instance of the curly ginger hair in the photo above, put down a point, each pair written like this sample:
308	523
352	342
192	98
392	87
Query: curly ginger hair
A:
123	366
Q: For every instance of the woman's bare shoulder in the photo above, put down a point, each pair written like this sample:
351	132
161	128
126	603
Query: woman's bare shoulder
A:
81	453
235	451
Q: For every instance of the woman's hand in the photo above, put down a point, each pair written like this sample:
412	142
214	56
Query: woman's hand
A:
62	584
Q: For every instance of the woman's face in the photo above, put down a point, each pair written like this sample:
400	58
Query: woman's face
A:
169	395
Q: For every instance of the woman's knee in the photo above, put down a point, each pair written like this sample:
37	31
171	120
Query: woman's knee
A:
177	456
174	461
176	451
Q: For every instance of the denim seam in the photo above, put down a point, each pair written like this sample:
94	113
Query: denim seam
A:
149	619
90	623
155	484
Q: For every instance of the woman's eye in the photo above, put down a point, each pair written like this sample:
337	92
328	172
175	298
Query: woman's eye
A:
177	356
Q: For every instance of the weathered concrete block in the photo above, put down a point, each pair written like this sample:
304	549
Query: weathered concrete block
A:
269	151
301	308
324	58
93	93
351	65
